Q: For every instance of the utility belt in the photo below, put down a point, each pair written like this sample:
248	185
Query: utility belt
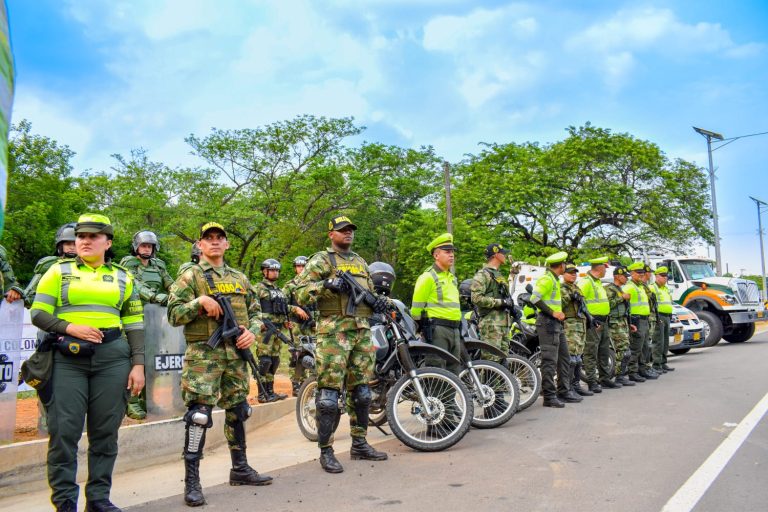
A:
635	319
600	318
453	324
666	315
75	347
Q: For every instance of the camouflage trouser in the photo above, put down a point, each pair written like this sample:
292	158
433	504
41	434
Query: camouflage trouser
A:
575	333
620	338
647	357
345	358
496	334
270	349
211	376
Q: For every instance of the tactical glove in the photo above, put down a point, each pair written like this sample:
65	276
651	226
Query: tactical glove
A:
380	306
336	285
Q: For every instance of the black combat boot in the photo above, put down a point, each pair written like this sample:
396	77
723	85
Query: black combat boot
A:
610	384
624	380
576	381
648	374
243	474
636	377
193	492
595	387
667	367
361	450
263	395
101	506
67	506
570	397
329	462
295	386
553	402
271	392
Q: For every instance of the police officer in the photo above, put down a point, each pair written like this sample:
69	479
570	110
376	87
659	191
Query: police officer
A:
575	327
549	327
639	310
9	286
274	310
598	349
490	295
646	358
618	323
153	283
665	307
436	304
306	324
91	303
65	248
345	352
214	376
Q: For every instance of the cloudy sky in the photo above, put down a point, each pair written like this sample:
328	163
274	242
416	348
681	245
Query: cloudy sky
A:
106	77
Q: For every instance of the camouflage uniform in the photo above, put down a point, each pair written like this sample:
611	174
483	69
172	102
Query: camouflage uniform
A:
7	278
345	353
42	266
619	327
495	322
575	326
273	303
153	279
213	376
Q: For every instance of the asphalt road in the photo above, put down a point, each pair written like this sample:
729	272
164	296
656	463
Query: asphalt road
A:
623	450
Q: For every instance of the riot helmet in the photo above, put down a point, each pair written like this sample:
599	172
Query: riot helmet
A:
300	261
383	277
271	264
145	237
65	233
465	292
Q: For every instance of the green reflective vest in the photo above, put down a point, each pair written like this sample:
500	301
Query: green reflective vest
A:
638	299
594	295
436	294
547	290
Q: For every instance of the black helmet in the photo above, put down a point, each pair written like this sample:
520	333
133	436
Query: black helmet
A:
271	264
300	261
383	276
145	237
65	233
465	289
194	253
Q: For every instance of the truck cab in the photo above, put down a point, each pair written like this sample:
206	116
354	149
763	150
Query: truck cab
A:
729	306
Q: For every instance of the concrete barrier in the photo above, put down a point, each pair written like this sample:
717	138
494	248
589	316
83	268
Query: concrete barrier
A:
22	465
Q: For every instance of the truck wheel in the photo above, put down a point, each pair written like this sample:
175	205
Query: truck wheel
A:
741	333
715	328
679	351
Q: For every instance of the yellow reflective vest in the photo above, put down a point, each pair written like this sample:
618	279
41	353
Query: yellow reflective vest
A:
547	290
436	295
594	295
663	299
638	299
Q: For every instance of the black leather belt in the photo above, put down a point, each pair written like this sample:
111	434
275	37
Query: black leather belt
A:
453	324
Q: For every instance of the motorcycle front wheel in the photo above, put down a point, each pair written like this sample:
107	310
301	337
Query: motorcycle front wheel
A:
306	410
495	395
528	379
439	422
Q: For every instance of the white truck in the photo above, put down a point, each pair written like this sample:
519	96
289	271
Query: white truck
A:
729	306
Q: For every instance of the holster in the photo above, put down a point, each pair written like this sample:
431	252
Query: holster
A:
426	326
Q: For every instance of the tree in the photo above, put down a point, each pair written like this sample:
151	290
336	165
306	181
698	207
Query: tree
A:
593	192
42	195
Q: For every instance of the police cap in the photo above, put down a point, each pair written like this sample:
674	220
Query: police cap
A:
662	271
556	258
94	223
637	266
444	241
603	260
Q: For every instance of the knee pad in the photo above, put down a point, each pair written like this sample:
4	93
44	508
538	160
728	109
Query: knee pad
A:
361	396
241	411
265	364
327	401
200	415
275	364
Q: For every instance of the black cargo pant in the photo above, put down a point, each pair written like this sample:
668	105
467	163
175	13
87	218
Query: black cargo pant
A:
554	356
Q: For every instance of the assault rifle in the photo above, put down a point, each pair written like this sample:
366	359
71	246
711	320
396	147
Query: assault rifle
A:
583	311
274	330
358	294
229	330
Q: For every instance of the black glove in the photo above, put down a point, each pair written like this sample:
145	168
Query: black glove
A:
380	306
336	285
507	303
516	312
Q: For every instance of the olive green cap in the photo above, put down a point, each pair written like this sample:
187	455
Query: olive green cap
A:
602	260
620	271
444	241
558	257
94	223
637	266
570	267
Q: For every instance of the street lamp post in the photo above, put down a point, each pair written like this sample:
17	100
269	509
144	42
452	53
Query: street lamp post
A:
760	205
709	136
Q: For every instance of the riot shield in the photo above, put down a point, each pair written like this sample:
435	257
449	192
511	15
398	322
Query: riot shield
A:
164	356
11	325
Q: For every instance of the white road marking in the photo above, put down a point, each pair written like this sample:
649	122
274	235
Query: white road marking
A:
694	488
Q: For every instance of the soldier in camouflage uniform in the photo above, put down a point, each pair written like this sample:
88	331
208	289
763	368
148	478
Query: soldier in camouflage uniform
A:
575	332
9	286
490	295
214	376
646	361
194	259
152	282
274	310
618	323
65	248
305	326
345	352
